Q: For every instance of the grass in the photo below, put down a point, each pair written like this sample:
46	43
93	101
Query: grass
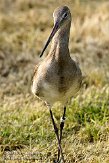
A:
25	126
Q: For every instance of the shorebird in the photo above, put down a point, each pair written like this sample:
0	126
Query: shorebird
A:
57	77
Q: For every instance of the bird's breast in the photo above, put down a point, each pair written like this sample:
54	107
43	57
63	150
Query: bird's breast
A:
55	83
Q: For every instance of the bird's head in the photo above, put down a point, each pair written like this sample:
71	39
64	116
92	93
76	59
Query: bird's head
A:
62	17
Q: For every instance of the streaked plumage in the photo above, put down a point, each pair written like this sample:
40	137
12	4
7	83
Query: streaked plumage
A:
58	77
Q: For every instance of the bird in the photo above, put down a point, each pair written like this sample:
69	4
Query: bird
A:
57	78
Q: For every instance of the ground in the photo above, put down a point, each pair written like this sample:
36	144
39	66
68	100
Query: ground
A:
26	133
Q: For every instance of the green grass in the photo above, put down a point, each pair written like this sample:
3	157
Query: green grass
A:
25	125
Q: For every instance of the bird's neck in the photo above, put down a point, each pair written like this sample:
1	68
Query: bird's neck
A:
60	42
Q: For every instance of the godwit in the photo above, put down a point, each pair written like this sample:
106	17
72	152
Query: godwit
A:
57	77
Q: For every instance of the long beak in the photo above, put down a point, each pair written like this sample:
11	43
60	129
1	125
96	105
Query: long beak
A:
54	30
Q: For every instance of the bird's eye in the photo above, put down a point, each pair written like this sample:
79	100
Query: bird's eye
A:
65	15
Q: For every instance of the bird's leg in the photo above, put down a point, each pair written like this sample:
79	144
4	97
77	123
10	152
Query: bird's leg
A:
62	123
57	134
61	129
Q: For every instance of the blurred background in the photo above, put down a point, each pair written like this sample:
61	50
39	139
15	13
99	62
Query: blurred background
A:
24	28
